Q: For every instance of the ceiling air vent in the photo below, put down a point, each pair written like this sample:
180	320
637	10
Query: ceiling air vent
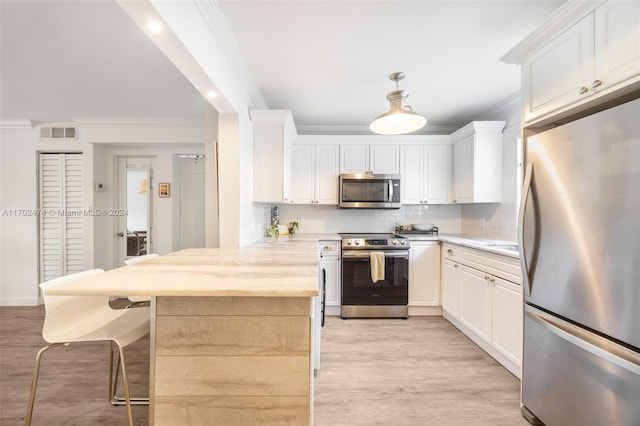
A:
59	133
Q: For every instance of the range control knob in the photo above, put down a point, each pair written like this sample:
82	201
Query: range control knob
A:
349	242
357	242
394	242
403	242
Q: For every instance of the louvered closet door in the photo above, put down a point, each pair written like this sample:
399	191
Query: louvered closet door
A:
61	218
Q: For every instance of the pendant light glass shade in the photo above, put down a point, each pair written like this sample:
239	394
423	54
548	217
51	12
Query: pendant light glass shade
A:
399	119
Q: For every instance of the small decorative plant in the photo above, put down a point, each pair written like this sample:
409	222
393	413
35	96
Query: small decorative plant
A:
293	227
272	231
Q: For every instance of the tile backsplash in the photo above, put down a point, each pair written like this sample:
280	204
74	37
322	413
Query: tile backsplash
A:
326	219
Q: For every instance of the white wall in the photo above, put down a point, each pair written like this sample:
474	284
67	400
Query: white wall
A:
100	144
19	200
498	221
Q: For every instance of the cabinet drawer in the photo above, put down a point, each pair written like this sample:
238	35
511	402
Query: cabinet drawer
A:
329	248
505	267
450	251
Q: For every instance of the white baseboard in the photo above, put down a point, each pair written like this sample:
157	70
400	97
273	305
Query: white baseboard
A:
425	311
20	301
332	311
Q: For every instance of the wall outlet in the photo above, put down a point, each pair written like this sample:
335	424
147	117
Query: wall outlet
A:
99	187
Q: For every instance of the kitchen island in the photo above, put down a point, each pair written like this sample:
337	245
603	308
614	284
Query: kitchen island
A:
231	332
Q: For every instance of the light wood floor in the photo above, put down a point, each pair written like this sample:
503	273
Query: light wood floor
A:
374	372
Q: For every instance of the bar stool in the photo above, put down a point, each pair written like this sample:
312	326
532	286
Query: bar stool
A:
74	319
133	261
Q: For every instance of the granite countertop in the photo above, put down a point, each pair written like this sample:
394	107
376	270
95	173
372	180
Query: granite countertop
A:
281	267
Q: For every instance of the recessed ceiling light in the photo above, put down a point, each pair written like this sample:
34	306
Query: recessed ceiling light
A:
211	94
154	26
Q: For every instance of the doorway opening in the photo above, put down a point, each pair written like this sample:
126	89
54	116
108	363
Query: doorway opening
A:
135	196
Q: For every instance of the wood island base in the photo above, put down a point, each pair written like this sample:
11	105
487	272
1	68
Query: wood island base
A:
231	360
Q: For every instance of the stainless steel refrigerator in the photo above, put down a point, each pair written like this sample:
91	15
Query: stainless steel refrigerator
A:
580	254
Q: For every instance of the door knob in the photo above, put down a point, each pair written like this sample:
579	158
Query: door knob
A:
120	234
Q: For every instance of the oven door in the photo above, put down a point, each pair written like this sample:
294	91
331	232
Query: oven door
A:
359	289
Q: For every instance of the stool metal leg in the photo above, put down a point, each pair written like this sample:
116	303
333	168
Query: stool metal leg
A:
113	384
34	380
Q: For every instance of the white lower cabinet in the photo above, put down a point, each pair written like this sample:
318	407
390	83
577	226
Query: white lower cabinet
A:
475	301
450	286
330	276
424	276
480	297
506	319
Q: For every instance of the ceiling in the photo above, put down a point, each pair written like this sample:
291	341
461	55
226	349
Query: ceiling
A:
327	61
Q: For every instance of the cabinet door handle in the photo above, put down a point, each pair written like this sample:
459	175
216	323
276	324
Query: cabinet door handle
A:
450	251
596	84
455	265
583	90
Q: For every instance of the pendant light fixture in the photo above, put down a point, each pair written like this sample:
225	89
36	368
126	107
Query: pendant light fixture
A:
399	119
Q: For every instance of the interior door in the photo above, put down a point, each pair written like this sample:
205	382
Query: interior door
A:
192	198
135	190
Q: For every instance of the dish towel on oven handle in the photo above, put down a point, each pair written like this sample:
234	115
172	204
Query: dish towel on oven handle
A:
376	259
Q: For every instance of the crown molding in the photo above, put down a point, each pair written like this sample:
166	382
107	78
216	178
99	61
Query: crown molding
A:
18	124
218	26
364	130
568	14
143	122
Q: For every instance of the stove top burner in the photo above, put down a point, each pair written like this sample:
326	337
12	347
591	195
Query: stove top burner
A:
380	241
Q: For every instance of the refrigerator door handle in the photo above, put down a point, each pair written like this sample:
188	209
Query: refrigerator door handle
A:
590	342
526	190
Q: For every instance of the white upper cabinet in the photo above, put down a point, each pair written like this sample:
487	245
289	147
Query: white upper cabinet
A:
617	42
303	173
583	63
425	173
314	172
560	73
273	134
384	159
477	162
378	159
354	158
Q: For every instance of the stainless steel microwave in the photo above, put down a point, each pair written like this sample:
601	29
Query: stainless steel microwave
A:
369	191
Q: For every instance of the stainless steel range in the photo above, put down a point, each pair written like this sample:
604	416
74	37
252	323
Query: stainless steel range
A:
388	296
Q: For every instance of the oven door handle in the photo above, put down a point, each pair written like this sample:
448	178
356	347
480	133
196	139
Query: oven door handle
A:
365	254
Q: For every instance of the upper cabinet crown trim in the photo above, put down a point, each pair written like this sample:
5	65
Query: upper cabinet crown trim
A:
567	15
477	127
372	139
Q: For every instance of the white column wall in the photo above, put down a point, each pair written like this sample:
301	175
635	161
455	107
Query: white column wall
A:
199	43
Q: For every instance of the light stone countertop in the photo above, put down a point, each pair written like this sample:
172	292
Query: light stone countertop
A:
280	267
505	248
